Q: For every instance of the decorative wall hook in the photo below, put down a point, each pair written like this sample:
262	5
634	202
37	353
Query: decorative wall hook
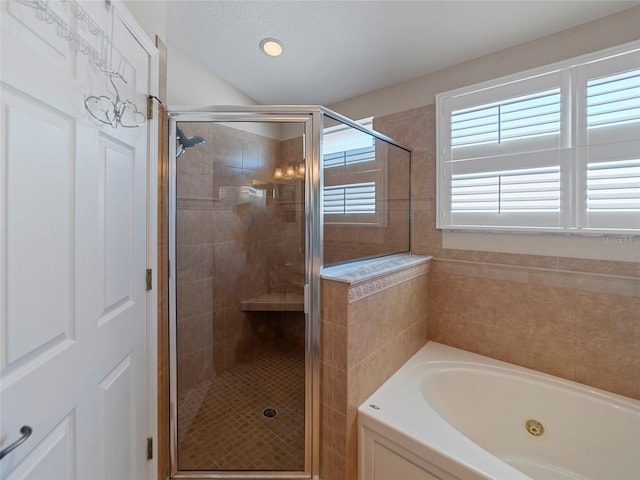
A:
114	112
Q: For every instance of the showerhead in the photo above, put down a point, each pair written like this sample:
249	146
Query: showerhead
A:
185	142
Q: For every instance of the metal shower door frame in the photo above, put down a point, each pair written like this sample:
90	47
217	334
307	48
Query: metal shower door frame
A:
312	118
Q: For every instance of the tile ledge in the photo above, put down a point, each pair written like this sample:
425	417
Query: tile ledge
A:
365	270
586	281
505	266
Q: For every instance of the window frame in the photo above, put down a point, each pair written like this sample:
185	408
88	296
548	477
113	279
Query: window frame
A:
576	147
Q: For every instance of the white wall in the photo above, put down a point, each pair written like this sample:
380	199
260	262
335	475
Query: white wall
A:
614	30
188	81
191	83
151	15
606	32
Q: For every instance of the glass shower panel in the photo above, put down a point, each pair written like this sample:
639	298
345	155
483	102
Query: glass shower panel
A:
240	274
366	195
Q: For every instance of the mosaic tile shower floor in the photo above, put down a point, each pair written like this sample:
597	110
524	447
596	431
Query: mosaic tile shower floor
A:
221	425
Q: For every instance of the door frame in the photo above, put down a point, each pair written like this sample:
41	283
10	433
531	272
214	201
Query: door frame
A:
152	127
312	118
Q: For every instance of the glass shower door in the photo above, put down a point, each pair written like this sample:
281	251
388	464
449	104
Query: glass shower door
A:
240	332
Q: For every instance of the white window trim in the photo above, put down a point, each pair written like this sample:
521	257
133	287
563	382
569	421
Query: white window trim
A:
572	143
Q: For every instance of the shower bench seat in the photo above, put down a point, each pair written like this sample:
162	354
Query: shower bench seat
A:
274	302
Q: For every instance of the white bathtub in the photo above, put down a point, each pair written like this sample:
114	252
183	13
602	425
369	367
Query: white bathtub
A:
450	414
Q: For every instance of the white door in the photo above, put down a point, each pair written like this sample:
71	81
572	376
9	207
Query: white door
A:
72	250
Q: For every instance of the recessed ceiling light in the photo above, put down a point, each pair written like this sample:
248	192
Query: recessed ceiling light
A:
271	46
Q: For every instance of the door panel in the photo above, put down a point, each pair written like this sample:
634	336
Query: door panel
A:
117	242
53	458
53	47
117	414
34	327
73	236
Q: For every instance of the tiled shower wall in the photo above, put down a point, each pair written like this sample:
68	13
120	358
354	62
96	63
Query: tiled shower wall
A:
576	318
225	243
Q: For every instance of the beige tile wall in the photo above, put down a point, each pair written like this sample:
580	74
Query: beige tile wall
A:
364	340
576	325
416	129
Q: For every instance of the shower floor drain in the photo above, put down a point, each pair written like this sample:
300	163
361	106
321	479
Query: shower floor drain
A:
269	412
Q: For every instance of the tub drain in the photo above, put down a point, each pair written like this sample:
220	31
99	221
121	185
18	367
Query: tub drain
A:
534	427
269	412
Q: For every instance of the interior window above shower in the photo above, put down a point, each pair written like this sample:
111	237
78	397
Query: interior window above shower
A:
365	195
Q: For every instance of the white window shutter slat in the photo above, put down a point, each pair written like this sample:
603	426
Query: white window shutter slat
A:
613	186
614	100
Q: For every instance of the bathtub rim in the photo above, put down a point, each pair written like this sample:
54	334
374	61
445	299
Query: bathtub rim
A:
526	375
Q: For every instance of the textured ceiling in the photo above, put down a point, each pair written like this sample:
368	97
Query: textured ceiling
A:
334	50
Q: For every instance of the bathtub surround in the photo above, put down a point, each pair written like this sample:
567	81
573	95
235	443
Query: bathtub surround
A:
374	318
577	325
580	318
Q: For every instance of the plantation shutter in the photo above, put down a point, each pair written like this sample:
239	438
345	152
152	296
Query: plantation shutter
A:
501	156
610	137
553	149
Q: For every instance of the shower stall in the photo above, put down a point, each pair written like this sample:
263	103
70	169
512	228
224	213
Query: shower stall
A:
260	199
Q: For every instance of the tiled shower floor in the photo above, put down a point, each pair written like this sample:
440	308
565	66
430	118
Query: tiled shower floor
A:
220	422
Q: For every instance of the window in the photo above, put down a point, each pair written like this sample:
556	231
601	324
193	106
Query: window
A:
350	199
554	149
352	176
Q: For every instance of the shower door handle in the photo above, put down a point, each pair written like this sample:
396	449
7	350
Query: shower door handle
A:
25	431
306	297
